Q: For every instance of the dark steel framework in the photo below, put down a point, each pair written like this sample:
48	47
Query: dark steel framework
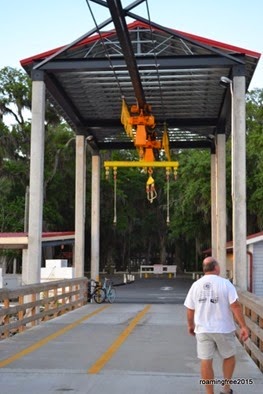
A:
178	74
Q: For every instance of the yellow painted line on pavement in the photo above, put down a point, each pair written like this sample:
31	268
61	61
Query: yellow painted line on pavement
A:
99	364
49	338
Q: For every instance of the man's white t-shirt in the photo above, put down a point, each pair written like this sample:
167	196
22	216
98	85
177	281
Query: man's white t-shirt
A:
211	297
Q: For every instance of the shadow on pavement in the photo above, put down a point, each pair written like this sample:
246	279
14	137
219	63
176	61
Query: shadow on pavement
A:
153	290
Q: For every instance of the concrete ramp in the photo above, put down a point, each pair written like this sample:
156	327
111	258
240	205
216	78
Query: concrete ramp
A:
119	348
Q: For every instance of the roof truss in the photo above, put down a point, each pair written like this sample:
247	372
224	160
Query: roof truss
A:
176	73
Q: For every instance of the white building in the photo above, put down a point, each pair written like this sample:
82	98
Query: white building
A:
254	262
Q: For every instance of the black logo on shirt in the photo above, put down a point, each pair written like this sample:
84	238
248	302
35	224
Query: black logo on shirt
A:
214	300
207	286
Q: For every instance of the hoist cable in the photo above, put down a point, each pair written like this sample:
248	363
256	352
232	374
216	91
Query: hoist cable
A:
104	47
168	196
115	196
155	59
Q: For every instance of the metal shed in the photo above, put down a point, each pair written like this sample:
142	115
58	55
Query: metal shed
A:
178	74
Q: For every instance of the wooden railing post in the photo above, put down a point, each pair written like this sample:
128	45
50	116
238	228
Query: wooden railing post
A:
63	289
21	312
253	311
32	304
6	317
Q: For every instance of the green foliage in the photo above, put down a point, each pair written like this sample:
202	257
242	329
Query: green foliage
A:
191	194
11	209
15	101
255	156
15	88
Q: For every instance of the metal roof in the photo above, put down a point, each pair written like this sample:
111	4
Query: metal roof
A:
177	73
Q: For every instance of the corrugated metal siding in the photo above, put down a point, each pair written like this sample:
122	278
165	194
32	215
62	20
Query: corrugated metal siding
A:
258	269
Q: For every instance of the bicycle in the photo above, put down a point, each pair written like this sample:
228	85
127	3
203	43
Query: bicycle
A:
96	292
110	291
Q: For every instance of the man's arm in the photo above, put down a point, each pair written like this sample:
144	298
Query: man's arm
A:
238	313
190	321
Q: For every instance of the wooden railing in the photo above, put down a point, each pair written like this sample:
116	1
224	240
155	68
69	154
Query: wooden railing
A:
253	311
29	305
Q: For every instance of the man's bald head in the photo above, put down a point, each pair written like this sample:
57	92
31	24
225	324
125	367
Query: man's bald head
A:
210	265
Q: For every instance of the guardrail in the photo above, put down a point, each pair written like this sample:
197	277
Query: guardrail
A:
194	274
253	310
158	269
29	305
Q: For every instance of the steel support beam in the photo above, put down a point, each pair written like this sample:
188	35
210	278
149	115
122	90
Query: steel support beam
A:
181	36
111	124
71	113
118	63
118	18
173	145
86	35
160	164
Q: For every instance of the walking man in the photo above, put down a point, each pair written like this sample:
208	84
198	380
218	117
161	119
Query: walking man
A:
211	303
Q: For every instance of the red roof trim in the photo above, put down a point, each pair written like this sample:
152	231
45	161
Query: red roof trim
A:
222	45
44	235
46	54
136	24
255	235
229	244
206	41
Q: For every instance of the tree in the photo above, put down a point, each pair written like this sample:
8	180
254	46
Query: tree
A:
15	102
14	151
191	205
255	160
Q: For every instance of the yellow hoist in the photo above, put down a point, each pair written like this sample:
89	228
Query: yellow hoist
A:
139	125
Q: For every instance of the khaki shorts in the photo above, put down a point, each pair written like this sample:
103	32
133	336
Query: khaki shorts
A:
209	343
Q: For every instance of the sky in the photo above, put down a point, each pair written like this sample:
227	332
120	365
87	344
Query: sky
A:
29	27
